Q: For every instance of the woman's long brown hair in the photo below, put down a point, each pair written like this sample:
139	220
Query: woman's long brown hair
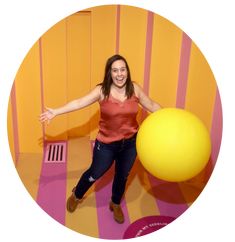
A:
107	81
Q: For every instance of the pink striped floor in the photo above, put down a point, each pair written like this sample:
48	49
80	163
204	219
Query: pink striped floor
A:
145	197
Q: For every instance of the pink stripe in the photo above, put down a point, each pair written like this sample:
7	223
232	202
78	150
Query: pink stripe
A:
148	51
15	123
51	195
67	65
108	228
118	28
217	126
183	71
216	135
42	84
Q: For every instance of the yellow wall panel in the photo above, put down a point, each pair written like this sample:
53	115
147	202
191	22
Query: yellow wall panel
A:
28	102
10	131
103	46
166	47
78	69
133	27
201	89
54	64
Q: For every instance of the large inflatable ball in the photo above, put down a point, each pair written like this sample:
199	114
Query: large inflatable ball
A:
173	144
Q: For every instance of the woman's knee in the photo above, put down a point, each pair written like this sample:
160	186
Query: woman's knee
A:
89	176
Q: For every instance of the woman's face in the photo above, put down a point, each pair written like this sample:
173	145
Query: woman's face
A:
119	73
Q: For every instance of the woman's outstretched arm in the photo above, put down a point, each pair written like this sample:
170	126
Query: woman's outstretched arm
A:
74	105
145	101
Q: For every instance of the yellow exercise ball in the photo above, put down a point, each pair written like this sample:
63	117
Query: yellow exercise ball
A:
173	144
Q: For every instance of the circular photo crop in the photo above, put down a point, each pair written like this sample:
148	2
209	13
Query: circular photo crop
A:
75	108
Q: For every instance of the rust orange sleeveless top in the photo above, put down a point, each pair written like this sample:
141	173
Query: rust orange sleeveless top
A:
117	119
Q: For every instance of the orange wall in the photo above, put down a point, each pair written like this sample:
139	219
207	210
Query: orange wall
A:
201	89
103	44
133	23
28	103
53	54
165	61
71	58
78	70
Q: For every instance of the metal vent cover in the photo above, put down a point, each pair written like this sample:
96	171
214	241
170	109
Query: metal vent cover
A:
55	152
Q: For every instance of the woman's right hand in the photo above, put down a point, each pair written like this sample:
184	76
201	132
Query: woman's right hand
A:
47	116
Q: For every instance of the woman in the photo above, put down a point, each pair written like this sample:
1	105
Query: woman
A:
118	97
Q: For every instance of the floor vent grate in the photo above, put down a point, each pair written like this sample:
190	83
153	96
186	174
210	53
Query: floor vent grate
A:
55	152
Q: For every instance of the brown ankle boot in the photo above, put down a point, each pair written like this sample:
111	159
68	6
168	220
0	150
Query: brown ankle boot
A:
117	212
72	202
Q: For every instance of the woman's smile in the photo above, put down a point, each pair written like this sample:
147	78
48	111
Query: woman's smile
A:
119	73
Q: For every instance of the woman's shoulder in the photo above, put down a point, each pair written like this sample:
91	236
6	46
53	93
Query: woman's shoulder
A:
98	90
136	85
98	87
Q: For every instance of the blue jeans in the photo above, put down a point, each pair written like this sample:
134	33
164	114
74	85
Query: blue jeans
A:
123	152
